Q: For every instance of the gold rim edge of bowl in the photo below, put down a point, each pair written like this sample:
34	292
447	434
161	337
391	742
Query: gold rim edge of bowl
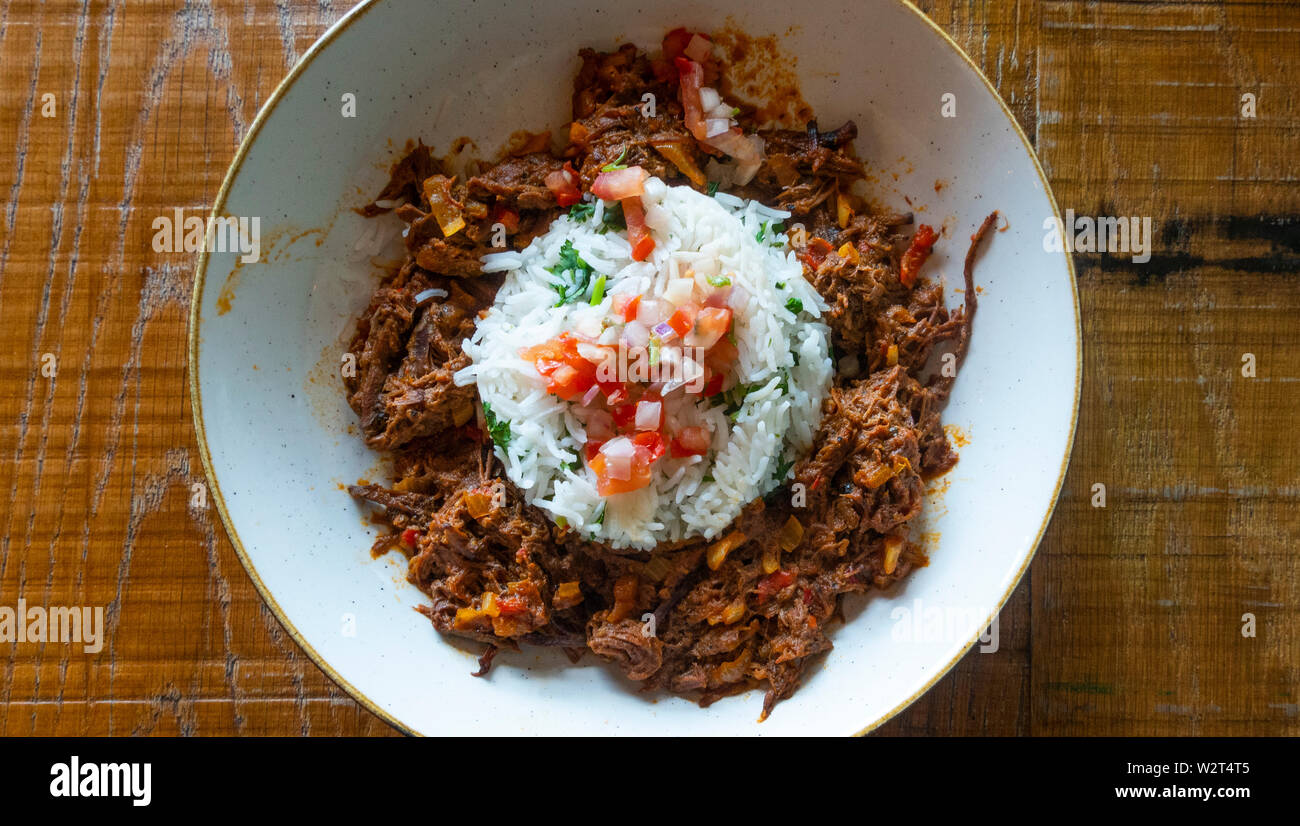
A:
200	434
1078	375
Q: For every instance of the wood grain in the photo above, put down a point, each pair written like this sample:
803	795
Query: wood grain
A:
1130	619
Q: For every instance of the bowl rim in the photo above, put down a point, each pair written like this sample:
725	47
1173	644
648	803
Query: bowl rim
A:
196	400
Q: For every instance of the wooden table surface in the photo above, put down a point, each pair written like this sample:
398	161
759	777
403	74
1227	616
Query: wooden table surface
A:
1130	620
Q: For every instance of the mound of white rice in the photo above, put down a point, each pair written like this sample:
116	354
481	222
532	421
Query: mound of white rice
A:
783	362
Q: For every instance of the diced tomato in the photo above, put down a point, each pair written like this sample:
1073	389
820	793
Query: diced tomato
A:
618	304
713	386
563	183
724	352
503	214
566	382
691	441
920	249
710	326
617	184
590	449
640	476
638	234
625	305
642	248
624	415
772	584
675	42
816	252
409	537
651	441
549	350
568	374
683	319
721	357
692	75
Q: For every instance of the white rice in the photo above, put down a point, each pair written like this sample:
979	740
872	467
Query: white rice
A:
783	357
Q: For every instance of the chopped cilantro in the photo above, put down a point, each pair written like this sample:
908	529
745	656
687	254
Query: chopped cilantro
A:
734	398
574	274
719	281
713	188
794	305
783	466
498	429
582	210
769	228
613	218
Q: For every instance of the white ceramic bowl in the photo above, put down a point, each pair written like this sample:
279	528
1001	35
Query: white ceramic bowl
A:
266	339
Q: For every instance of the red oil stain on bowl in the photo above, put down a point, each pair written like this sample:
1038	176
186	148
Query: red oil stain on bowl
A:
763	76
956	435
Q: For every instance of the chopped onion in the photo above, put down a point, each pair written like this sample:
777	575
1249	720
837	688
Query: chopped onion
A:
590	326
429	294
647	415
713	127
651	311
618	454
709	97
636	333
722	110
590	395
746	150
592	353
680	290
664	331
609	336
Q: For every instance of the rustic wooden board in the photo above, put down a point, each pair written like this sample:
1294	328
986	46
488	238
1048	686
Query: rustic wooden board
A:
1130	619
